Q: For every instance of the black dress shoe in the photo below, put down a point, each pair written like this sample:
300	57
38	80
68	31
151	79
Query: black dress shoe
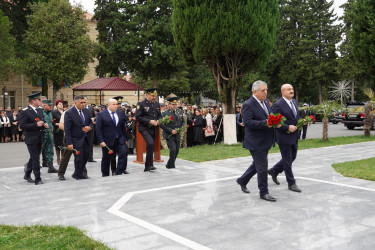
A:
268	197
126	172
294	188
39	182
52	170
243	188
91	161
169	167
274	176
152	168
29	179
61	178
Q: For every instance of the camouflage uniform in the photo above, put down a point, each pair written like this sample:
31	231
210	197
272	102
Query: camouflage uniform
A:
163	141
48	138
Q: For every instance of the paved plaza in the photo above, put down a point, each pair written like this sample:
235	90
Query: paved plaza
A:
200	206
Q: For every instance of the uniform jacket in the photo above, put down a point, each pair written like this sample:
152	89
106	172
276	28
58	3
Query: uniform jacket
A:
258	136
147	111
73	126
106	130
177	122
33	133
283	108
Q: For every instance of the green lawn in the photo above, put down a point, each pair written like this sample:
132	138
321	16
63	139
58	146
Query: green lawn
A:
45	237
221	151
362	169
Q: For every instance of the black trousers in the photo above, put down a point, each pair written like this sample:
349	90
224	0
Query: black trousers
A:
34	162
81	159
288	155
90	140
259	167
304	132
173	143
66	154
150	144
122	152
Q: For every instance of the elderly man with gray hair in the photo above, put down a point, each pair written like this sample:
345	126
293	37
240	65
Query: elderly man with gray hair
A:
258	139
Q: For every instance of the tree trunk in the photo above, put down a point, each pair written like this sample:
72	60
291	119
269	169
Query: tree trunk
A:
229	100
320	92
368	120
54	91
325	128
154	79
44	87
352	99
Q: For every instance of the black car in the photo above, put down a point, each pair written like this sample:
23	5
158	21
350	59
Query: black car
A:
355	116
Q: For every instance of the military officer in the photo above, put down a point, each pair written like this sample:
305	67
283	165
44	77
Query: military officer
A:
33	125
147	114
169	130
48	138
163	142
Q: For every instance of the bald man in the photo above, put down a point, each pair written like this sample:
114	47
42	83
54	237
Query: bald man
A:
286	136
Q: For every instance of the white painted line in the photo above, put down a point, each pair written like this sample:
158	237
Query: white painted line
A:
337	184
7	187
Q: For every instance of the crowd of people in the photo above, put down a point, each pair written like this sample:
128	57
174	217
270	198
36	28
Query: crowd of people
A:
10	130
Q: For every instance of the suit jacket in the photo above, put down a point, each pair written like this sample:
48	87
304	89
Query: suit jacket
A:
282	107
106	130
33	133
258	136
73	127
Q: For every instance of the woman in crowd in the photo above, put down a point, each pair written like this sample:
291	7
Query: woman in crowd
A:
58	134
4	127
240	126
218	128
20	132
198	125
209	133
14	120
130	133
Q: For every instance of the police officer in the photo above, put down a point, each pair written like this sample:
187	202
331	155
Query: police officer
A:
33	125
169	130
48	137
147	114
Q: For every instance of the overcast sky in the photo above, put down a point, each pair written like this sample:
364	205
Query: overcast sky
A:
89	5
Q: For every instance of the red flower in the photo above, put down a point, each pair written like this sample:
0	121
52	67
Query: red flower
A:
77	152
36	119
187	126
171	118
54	120
110	152
312	117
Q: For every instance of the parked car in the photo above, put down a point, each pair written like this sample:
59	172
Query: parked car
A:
355	117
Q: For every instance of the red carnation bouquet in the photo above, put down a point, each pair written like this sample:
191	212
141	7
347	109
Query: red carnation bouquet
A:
312	118
275	119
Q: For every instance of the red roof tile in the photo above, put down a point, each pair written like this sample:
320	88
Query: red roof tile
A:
108	83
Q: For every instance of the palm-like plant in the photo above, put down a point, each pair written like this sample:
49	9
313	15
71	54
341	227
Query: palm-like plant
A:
327	108
368	111
341	90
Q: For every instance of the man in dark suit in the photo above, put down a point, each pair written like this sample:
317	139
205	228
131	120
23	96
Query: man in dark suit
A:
111	133
147	114
78	126
33	125
287	136
258	139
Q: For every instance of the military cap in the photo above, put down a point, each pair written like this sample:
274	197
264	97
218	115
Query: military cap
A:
152	91
118	98
93	105
34	96
47	101
173	99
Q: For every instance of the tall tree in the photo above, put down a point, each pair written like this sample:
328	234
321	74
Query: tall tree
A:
363	34
59	48
322	37
7	43
228	36
135	36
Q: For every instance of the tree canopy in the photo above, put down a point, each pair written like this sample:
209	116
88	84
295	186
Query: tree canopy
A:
232	37
59	48
7	43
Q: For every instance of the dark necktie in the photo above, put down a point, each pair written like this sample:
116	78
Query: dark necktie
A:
82	118
264	107
293	109
113	118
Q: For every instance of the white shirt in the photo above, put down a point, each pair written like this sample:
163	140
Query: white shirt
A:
115	114
290	104
79	113
262	105
33	109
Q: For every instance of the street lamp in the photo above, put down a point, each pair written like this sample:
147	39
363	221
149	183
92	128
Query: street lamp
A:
5	93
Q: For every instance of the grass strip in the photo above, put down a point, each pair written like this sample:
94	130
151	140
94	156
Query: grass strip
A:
221	151
46	237
362	169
